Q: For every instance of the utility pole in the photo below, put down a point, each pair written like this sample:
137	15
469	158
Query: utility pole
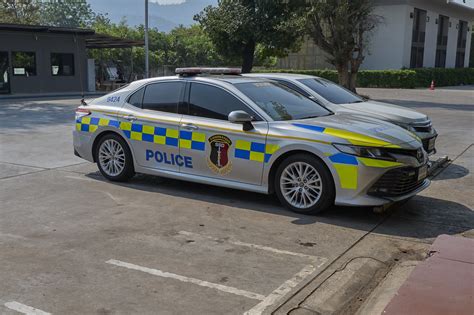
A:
147	66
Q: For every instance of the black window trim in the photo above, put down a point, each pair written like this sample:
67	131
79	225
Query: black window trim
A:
144	86
73	64
13	67
187	99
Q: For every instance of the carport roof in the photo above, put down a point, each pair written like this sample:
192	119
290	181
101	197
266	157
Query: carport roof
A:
93	40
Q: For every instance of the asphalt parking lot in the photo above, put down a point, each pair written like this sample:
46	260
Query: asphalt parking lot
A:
74	243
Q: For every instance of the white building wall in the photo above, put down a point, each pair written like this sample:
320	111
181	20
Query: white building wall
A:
390	45
468	44
430	40
452	43
387	45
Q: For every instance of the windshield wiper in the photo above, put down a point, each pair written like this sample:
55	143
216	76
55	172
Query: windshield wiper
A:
358	101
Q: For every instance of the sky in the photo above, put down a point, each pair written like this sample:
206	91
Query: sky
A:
163	14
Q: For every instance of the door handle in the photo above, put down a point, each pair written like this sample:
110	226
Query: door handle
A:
130	117
189	127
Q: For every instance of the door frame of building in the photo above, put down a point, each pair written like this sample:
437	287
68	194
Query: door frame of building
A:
7	90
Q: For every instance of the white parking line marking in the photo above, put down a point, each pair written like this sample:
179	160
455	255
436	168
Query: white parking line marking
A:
318	260
25	309
199	282
281	291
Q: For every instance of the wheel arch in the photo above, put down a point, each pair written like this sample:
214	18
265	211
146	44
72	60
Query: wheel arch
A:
284	156
103	134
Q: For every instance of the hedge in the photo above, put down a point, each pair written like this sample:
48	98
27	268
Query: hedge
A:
409	78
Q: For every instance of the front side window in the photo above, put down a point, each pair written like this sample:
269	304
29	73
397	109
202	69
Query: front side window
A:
62	64
213	102
332	92
24	63
163	96
281	102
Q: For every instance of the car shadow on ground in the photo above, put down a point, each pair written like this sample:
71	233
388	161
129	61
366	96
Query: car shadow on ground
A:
452	171
420	217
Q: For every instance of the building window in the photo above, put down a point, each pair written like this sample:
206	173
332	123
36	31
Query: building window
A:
418	38
461	47
24	63
442	41
62	64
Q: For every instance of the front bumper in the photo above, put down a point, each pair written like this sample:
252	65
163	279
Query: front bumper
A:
378	185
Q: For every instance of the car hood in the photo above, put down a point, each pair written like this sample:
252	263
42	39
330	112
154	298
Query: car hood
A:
354	129
384	111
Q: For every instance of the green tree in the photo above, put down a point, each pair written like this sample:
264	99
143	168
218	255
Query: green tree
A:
67	13
191	46
20	11
342	29
236	27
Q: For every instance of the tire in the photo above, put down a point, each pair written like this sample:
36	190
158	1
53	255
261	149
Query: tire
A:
121	168
302	192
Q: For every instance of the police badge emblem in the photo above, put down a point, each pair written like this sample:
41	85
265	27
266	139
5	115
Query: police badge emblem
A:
218	160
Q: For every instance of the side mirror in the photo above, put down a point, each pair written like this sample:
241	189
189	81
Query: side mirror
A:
241	117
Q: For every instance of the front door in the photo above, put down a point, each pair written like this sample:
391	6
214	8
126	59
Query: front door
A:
221	149
150	120
4	78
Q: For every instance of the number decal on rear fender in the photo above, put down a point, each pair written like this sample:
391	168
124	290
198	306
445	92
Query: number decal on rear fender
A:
113	99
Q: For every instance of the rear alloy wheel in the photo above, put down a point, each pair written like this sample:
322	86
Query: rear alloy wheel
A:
304	185
114	159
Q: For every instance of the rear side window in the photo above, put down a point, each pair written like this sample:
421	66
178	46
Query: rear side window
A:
137	98
163	97
213	102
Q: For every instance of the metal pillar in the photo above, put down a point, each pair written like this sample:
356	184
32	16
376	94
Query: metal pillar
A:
147	66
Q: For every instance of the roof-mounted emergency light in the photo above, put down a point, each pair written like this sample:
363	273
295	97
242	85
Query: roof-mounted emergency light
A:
198	70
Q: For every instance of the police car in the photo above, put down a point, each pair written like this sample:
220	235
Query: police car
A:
338	99
214	126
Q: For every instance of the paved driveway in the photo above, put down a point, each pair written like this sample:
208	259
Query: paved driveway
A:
73	243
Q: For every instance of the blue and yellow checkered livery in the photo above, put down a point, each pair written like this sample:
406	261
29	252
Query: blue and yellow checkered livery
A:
138	132
254	151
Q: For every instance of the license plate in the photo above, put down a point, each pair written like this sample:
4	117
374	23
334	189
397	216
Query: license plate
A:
422	172
431	144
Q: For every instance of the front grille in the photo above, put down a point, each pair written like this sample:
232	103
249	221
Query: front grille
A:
397	182
417	154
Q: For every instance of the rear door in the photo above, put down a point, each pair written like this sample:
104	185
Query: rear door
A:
151	121
218	148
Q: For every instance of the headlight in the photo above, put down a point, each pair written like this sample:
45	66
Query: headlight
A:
369	152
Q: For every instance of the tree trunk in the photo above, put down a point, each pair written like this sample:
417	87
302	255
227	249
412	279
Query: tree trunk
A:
247	57
352	81
343	75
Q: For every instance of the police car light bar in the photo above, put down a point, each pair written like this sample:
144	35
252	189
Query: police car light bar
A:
199	70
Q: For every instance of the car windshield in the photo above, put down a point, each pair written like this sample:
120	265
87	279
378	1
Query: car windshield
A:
332	92
281	102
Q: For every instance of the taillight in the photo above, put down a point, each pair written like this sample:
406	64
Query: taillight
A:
81	112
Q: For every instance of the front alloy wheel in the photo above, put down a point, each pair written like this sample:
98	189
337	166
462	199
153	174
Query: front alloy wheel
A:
304	184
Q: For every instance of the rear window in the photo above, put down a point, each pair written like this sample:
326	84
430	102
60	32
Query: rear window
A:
163	96
281	102
330	91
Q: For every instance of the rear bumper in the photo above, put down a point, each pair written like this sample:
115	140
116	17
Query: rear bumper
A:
82	142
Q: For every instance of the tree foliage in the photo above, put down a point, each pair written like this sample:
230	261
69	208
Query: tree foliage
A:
67	13
342	29
20	11
183	46
237	27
